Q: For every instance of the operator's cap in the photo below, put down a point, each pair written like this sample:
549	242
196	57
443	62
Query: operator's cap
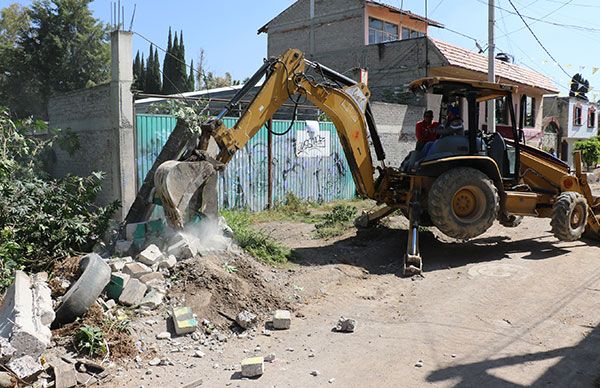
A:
454	110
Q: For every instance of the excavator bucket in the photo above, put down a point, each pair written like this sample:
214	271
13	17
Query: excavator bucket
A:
187	190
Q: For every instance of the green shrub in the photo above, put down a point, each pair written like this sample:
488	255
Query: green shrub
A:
90	340
590	151
42	219
255	242
335	222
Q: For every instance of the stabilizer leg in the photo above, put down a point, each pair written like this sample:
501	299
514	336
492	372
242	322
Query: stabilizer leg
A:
412	263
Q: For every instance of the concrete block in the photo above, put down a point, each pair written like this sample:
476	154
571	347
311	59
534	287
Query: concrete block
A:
282	319
25	315
118	281
136	270
246	319
135	231
153	299
133	293
152	278
25	367
150	256
184	321
168	262
122	247
253	367
117	264
6	350
181	250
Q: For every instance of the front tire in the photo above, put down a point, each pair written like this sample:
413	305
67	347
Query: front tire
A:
569	216
463	203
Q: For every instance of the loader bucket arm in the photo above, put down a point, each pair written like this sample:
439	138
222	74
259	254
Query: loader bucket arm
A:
345	102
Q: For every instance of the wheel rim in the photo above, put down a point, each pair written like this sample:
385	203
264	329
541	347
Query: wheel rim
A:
468	203
577	217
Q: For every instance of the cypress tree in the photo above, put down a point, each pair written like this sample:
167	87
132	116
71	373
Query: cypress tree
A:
136	71
181	75
156	71
191	82
153	72
168	67
142	79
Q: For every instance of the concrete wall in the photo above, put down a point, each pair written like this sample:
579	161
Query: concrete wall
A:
102	117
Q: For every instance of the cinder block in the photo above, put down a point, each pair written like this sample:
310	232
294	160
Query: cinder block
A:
117	264
282	319
118	281
153	299
136	270
253	367
150	256
152	278
181	250
133	293
183	320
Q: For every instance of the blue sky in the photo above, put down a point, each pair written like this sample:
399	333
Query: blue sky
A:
226	30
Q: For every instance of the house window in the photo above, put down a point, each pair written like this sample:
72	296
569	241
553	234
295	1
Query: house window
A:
527	111
502	111
591	117
381	32
407	33
577	111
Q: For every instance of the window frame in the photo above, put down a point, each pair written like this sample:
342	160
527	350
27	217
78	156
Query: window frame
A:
591	120
577	118
524	120
504	114
382	35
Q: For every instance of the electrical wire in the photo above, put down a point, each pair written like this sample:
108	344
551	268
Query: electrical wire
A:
543	17
537	39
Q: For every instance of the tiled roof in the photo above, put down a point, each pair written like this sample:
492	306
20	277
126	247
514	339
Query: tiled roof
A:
407	13
458	56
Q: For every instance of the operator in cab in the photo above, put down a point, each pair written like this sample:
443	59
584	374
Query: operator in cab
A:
453	126
424	130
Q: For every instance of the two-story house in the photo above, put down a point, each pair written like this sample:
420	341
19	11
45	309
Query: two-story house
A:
394	46
571	119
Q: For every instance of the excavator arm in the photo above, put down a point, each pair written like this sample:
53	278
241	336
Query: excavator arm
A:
343	100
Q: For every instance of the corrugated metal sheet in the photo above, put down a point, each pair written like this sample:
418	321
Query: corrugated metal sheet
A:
243	184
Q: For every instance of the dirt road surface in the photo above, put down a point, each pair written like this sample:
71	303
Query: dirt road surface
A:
514	307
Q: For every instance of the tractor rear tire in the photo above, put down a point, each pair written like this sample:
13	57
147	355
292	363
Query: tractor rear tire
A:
569	216
463	203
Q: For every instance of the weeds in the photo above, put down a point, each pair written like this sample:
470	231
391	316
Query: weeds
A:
291	208
255	242
90	340
336	222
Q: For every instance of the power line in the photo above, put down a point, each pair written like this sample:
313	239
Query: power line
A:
437	6
543	17
573	26
576	4
537	39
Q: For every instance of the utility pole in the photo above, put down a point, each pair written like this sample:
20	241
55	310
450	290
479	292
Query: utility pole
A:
491	104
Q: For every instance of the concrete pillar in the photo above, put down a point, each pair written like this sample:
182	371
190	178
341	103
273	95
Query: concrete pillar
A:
122	119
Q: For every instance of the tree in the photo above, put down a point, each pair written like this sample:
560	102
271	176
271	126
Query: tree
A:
191	82
153	84
64	48
14	21
142	83
168	67
137	73
579	86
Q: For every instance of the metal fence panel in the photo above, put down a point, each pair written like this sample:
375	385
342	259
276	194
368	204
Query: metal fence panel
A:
320	177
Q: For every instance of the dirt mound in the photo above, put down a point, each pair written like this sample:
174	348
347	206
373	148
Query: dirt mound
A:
218	286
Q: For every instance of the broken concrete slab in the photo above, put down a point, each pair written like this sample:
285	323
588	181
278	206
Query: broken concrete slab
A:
153	299
168	262
253	367
25	367
133	293
246	319
24	316
152	278
136	270
117	264
118	281
282	319
184	320
182	249
6	350
150	256
65	375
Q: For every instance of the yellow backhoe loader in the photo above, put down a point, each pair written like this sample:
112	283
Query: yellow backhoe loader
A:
461	185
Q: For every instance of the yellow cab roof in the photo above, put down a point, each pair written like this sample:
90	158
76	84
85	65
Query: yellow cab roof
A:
461	87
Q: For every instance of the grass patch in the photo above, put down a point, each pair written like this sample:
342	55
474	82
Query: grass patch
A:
336	221
255	242
291	208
